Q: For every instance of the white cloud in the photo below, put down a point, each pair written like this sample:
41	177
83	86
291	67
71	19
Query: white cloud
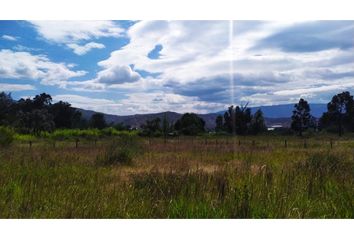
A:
117	74
24	65
9	38
201	52
74	33
6	87
141	103
82	50
21	48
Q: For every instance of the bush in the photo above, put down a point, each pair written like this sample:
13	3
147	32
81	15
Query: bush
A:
109	132
6	136
65	134
121	151
24	137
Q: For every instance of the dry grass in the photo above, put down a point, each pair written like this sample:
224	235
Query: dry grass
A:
219	177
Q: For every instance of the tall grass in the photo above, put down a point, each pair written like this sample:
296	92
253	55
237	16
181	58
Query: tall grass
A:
182	178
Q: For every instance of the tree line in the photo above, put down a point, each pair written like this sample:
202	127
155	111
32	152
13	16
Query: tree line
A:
240	120
39	114
338	118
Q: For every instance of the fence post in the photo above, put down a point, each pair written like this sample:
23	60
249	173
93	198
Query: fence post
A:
253	143
239	142
30	144
305	143
331	142
76	142
286	143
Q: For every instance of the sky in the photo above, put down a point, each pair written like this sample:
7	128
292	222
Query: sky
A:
135	67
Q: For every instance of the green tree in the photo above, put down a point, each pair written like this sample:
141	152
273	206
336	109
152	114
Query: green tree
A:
6	108
35	121
190	124
64	115
257	123
340	112
219	123
238	119
98	121
165	127
301	117
41	101
229	120
152	128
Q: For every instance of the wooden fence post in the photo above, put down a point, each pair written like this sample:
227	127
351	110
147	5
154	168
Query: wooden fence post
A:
286	143
76	142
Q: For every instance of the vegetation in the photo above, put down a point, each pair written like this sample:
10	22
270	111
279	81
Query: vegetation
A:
190	124
6	136
190	177
340	113
55	164
301	117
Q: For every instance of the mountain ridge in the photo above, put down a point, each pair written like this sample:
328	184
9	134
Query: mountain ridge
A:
274	115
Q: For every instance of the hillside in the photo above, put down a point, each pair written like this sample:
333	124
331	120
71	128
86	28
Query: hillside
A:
274	115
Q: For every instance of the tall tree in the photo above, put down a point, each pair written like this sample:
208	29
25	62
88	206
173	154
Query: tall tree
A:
190	124
42	100
219	122
6	108
238	119
165	127
229	117
301	117
152	127
35	121
64	115
340	112
257	122
97	121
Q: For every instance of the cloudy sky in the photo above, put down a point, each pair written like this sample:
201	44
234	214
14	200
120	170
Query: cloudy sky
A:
128	67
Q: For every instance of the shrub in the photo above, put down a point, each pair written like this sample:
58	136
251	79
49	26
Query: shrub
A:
24	137
6	136
121	151
109	132
64	134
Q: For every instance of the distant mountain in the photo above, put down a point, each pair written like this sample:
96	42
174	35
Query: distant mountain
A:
286	110
274	115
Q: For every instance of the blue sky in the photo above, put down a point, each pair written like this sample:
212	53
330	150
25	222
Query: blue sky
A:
128	67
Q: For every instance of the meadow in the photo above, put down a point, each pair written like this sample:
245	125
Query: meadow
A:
127	176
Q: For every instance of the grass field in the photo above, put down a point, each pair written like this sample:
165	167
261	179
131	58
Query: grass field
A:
217	177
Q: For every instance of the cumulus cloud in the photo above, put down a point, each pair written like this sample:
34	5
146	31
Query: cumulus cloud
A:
24	65
82	50
74	33
193	59
9	38
117	75
187	65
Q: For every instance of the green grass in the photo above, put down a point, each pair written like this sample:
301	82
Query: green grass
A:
183	178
